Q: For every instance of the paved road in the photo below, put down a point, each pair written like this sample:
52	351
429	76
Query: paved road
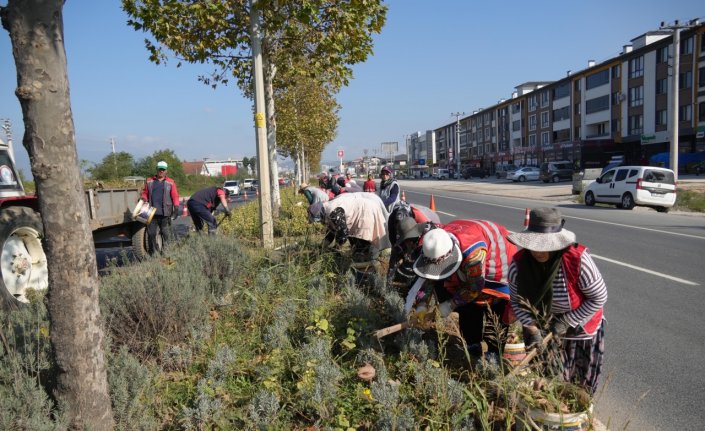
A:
653	266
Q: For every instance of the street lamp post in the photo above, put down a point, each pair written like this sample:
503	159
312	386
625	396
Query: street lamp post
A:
675	108
457	141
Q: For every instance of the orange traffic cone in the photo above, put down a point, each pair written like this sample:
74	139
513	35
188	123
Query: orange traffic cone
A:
526	218
257	191
403	195
184	208
432	205
244	195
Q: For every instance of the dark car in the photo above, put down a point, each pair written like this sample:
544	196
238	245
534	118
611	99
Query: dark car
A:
474	173
556	171
502	170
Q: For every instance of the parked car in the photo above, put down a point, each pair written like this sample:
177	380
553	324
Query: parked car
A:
582	179
526	173
502	170
247	183
233	186
556	171
442	174
627	186
474	173
255	185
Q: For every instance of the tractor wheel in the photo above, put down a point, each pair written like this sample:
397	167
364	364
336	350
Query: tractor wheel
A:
23	264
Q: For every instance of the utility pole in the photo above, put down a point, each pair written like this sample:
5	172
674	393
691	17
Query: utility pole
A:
456	154
675	108
265	201
112	144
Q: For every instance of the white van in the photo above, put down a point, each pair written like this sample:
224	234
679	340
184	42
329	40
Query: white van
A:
442	174
627	186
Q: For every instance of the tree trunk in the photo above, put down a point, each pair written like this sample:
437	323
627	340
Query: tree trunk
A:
269	72
36	33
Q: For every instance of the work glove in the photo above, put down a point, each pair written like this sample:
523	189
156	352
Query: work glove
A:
175	212
447	307
533	338
228	213
421	315
559	327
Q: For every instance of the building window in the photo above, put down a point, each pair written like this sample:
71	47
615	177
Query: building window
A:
616	125
636	67
636	124
662	86
532	103
685	113
532	140
532	122
616	96
516	108
597	79
487	133
662	117
561	114
544	99
687	46
662	55
616	71
561	92
636	96
576	109
702	42
545	139
701	110
685	80
701	77
597	104
544	120
516	125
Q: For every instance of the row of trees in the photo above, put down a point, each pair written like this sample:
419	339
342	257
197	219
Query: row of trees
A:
306	44
116	166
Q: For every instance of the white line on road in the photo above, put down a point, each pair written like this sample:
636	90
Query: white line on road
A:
448	214
648	271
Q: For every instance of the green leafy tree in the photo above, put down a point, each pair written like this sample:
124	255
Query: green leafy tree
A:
147	166
308	121
113	166
331	35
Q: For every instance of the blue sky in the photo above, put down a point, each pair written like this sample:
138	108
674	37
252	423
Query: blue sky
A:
431	59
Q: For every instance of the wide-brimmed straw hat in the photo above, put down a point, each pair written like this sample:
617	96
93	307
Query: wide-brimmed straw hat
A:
440	256
545	231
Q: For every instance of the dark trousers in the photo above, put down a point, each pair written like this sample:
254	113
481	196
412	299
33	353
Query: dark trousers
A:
200	214
161	224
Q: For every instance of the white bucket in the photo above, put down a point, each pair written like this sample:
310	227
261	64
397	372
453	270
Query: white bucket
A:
143	212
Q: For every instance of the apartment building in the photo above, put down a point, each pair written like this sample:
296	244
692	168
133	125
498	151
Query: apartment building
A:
621	106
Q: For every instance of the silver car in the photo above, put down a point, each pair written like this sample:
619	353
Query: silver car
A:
527	173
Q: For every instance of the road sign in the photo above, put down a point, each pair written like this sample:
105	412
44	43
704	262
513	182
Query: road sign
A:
341	153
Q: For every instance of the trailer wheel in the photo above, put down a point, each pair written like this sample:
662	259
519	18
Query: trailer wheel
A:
23	264
139	243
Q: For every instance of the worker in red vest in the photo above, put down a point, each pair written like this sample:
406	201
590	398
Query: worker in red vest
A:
566	293
464	265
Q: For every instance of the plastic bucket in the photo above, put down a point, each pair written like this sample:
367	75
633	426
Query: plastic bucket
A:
561	421
514	352
143	212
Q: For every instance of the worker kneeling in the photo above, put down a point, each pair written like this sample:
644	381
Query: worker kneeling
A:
464	265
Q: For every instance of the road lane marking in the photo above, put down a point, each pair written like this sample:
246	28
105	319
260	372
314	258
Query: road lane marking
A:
573	217
648	271
448	214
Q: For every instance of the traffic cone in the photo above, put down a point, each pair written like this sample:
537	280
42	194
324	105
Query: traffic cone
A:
244	195
403	195
432	205
526	218
257	191
184	208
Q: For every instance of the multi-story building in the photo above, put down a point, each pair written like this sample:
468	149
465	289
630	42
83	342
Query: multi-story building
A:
421	150
621	106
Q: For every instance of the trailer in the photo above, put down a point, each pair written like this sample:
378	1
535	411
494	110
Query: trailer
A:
23	263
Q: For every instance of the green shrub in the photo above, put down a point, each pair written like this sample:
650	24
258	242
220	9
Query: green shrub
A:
690	200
